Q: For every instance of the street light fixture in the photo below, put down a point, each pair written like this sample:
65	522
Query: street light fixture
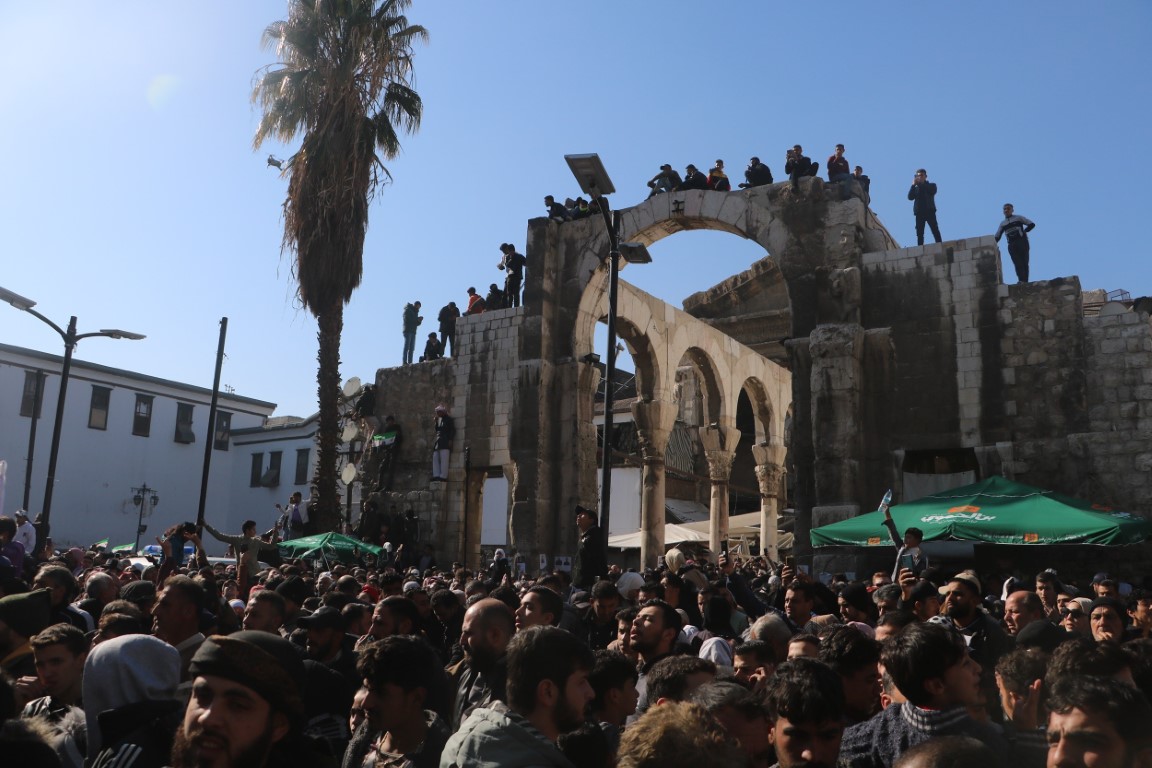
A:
70	338
146	499
594	181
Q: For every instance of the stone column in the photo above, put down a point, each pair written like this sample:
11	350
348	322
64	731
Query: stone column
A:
654	421
835	379
769	472
719	471
719	449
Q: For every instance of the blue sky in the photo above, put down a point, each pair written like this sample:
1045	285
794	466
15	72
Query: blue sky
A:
131	195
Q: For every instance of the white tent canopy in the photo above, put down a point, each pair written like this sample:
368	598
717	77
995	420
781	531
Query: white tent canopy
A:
744	526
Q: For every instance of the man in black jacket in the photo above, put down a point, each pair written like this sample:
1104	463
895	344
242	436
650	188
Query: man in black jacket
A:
923	197
693	179
798	165
757	174
591	563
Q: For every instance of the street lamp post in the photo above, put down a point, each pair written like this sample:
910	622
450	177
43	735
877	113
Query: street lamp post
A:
594	181
70	338
146	499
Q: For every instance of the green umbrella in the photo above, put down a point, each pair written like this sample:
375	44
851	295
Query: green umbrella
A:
994	511
329	546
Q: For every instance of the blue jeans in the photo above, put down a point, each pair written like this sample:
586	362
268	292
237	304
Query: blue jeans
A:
409	346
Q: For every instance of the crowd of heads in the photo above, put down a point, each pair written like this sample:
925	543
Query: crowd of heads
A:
738	662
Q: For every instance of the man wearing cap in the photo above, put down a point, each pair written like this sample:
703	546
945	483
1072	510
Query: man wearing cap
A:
987	642
21	616
665	181
246	709
445	430
329	644
590	562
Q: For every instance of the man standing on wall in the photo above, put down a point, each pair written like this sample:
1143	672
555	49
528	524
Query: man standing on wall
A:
1017	229
442	443
412	319
923	197
513	265
590	563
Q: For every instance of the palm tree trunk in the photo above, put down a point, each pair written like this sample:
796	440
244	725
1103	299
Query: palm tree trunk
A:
331	325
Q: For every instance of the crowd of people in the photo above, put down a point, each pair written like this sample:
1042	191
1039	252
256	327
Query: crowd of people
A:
797	166
741	662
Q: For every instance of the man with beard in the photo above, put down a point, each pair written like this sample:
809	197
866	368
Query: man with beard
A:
805	713
548	692
330	645
480	677
246	705
653	636
176	618
986	641
63	589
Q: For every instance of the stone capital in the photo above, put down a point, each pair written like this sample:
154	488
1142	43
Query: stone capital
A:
654	423
719	465
768	477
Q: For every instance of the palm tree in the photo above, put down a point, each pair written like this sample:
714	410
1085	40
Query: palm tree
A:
343	81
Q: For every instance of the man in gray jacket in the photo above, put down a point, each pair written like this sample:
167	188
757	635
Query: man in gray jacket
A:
548	691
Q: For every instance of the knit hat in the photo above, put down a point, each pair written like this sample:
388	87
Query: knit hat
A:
1041	634
856	595
27	613
138	592
1114	604
262	661
295	589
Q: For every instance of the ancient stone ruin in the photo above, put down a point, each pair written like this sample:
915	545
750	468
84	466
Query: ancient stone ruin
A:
834	368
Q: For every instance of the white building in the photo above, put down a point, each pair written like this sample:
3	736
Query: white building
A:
122	430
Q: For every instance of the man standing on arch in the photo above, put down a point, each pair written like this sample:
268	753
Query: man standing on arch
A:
923	197
1017	229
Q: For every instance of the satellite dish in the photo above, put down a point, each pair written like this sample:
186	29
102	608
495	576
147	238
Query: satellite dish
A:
352	386
349	474
349	433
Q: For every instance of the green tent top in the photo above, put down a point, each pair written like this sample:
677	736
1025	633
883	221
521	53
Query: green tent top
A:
329	546
993	511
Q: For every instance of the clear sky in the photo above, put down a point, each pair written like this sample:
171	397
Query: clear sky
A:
131	195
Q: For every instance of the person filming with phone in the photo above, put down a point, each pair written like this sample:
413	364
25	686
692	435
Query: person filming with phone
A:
910	556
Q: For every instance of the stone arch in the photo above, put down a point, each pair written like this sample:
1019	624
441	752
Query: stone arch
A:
762	410
716	406
639	330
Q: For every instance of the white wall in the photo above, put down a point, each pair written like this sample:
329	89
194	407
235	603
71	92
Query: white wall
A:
494	514
96	469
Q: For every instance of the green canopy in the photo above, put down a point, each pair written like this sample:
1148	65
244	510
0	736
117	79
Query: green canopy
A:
993	511
329	546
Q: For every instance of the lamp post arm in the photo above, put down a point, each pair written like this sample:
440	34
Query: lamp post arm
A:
55	327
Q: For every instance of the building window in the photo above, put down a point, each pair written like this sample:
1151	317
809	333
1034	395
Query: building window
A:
142	421
271	477
223	434
184	433
256	471
302	457
33	397
98	409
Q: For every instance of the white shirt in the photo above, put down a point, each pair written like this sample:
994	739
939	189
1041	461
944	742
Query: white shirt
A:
26	535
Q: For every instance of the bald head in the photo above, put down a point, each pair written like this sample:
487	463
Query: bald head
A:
488	626
1021	609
